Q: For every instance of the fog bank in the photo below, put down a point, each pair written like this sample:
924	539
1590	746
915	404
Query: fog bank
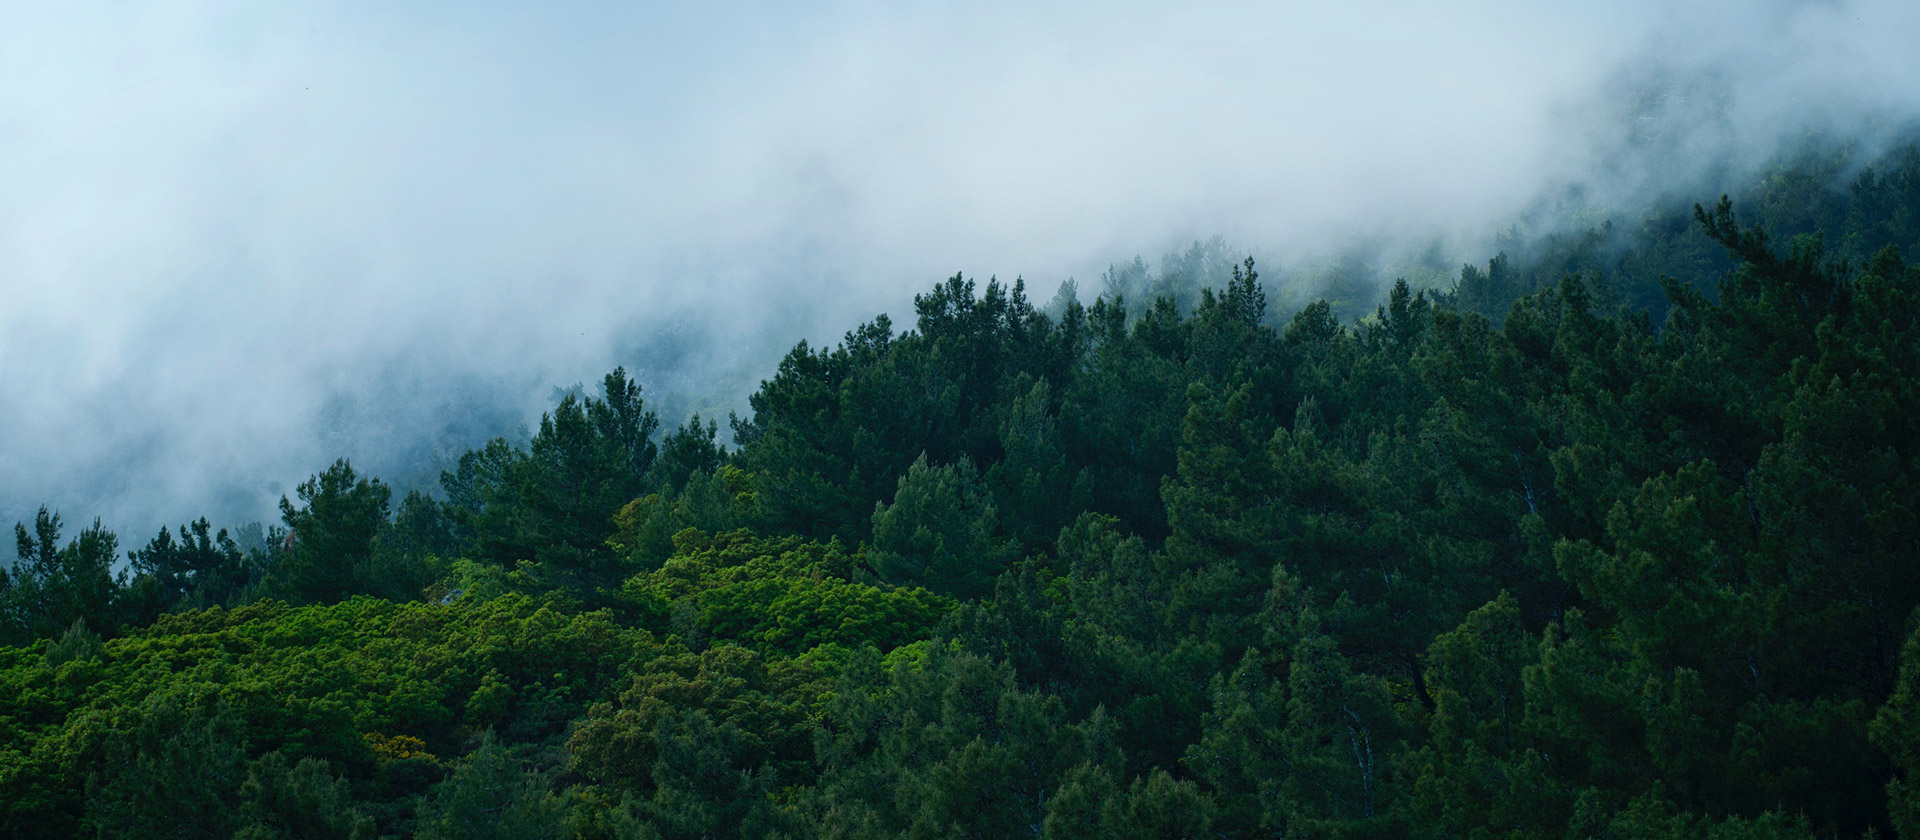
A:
237	241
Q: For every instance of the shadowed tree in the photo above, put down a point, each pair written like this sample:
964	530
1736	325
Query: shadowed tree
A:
51	586
331	534
176	772
939	532
490	796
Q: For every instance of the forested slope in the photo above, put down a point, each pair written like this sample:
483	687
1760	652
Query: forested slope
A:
1533	556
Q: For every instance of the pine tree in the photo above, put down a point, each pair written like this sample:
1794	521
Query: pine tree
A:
939	532
331	534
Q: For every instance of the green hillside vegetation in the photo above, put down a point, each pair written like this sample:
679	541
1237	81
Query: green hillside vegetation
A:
1617	536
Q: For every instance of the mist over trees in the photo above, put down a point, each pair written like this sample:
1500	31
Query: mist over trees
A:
1611	535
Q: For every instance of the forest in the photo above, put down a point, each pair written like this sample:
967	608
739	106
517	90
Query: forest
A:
1615	535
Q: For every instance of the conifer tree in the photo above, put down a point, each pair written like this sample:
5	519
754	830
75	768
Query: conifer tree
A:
331	534
939	532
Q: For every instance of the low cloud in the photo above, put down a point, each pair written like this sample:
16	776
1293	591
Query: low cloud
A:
237	241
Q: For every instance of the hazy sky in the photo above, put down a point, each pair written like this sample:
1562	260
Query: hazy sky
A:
238	240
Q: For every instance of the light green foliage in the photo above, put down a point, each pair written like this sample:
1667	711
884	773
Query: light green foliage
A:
784	594
1614	538
312	682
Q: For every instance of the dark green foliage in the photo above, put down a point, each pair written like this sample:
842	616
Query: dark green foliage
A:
1033	485
687	450
53	587
283	801
174	770
947	745
588	459
201	568
703	784
1896	730
78	643
938	532
645	528
758	708
489	795
1615	538
553	504
482	497
1089	804
409	553
331	535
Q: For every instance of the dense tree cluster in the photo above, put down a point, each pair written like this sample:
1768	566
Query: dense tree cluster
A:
1536	555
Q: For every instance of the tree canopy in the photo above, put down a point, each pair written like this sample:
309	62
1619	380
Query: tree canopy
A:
1615	536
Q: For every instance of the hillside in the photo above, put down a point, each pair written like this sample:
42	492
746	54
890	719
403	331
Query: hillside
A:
1616	536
